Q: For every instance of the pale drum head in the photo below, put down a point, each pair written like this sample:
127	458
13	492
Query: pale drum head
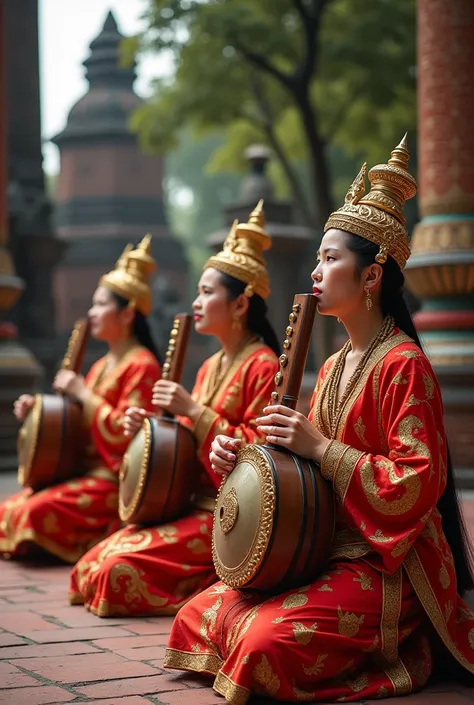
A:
243	519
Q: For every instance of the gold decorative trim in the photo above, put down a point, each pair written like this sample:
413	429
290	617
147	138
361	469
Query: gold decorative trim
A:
345	470
204	424
332	456
190	661
33	418
391	608
29	535
233	693
229	511
421	585
143	438
208	394
399	677
379	353
243	573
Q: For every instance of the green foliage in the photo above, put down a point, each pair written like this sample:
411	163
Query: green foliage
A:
239	65
203	214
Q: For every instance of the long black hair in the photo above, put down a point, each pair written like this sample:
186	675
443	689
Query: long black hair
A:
257	321
393	303
141	329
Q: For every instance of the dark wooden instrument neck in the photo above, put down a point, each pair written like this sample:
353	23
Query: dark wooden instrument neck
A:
295	351
176	353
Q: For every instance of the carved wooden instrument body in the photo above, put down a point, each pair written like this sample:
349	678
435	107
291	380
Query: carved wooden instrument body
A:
51	439
274	517
160	468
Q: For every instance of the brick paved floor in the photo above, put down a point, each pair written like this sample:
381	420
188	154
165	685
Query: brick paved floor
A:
53	653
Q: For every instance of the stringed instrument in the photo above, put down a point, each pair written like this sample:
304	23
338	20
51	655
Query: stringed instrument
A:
274	517
51	438
160	469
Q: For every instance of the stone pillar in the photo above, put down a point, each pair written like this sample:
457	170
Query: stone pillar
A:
440	271
19	371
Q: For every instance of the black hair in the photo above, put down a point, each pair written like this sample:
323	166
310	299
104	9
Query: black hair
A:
257	321
393	303
141	329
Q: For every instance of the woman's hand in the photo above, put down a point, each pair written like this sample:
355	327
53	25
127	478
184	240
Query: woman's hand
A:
69	383
289	429
23	406
133	420
174	398
223	454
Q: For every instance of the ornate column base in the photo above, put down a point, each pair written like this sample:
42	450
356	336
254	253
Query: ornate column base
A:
20	373
441	273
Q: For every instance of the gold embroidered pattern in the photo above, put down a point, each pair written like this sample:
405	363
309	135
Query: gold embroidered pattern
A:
198	662
349	623
294	600
391	608
408	481
359	428
318	666
266	677
303	634
399	677
379	537
425	594
364	580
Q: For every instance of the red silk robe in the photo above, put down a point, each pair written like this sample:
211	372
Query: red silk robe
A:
156	570
69	518
362	629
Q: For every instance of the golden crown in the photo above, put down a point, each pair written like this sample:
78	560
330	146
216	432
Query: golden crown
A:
241	256
131	275
378	216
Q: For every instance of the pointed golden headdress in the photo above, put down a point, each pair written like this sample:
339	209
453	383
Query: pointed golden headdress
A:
241	256
131	275
378	216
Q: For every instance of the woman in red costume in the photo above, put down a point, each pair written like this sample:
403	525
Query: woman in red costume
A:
390	596
155	570
67	519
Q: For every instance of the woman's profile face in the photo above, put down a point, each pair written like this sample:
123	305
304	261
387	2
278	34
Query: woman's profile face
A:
108	322
336	283
212	309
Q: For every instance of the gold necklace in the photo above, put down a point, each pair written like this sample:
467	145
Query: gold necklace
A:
329	391
219	375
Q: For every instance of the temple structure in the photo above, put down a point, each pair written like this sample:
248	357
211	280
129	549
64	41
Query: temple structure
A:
28	247
440	271
109	193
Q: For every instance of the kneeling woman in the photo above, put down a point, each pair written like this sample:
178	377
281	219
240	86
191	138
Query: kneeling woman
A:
366	627
67	519
156	570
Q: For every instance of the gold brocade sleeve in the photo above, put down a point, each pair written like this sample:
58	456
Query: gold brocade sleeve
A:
106	419
390	497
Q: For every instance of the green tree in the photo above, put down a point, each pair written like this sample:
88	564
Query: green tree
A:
195	198
298	74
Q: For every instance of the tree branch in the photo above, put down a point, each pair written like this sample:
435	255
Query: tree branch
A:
302	9
267	126
262	63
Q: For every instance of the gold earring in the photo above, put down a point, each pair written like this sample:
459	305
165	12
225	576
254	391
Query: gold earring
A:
236	323
368	298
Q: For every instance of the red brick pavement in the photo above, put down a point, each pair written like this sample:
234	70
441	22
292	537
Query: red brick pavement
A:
53	653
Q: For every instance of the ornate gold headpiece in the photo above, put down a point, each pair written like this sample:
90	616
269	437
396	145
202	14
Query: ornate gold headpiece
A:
131	275
378	216
241	256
